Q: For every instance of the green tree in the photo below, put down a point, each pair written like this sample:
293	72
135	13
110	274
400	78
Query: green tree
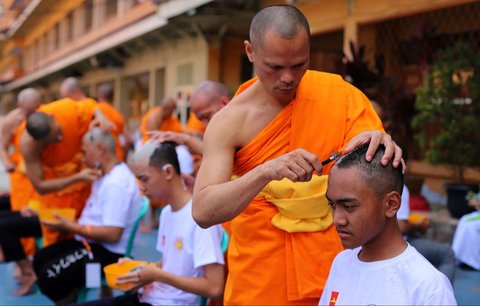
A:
448	110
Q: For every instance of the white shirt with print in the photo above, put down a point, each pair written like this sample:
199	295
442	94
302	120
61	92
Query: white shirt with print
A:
407	279
185	249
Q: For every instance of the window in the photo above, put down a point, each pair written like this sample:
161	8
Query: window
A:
111	8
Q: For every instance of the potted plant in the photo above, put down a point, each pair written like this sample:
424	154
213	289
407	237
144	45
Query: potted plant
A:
448	118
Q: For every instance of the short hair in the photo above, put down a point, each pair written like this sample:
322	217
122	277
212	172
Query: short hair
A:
96	136
39	125
105	92
164	154
381	179
285	20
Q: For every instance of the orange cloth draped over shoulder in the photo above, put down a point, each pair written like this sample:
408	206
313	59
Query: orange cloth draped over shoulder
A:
268	265
65	158
21	190
169	124
194	125
117	119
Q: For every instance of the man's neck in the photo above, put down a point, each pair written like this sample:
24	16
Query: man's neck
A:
179	196
108	164
388	244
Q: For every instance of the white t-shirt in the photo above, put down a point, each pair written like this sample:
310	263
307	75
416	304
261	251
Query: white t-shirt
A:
407	279
114	201
185	159
185	249
404	210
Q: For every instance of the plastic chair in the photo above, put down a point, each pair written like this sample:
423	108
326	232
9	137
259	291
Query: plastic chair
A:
82	294
224	245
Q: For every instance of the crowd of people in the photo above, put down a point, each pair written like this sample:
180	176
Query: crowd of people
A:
306	226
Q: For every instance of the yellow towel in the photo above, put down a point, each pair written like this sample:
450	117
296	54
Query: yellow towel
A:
302	206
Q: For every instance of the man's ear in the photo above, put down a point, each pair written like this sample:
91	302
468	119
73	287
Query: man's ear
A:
224	100
393	200
249	50
169	171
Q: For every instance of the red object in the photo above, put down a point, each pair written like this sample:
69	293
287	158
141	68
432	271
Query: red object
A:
333	298
419	203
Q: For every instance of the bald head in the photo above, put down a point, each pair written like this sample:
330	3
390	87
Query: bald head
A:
168	106
143	155
97	137
28	100
71	88
39	125
208	98
105	93
285	20
157	155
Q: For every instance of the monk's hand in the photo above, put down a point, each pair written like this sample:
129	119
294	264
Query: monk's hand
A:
160	136
376	138
139	277
297	166
88	175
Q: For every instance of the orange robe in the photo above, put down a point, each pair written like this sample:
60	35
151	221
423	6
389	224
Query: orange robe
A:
65	158
194	125
21	190
117	119
170	124
268	265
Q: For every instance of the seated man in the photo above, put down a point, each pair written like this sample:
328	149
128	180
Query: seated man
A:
440	255
379	267
466	241
103	228
192	259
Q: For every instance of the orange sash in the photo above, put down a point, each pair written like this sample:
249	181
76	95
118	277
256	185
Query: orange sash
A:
268	265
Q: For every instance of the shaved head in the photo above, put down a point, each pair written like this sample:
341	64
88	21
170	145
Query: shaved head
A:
214	91
96	136
168	106
39	125
157	155
28	100
143	155
208	98
105	93
71	88
285	20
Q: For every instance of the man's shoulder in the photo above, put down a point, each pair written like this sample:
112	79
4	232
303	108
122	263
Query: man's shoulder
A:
320	77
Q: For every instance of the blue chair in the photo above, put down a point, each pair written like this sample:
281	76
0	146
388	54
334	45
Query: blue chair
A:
82	294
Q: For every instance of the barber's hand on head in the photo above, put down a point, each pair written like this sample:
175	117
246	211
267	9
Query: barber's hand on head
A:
376	138
89	175
297	166
140	277
159	137
61	224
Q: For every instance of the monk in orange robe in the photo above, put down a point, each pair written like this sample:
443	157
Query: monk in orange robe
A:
51	148
160	118
272	137
105	104
21	190
194	125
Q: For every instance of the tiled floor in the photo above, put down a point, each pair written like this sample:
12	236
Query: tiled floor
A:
467	282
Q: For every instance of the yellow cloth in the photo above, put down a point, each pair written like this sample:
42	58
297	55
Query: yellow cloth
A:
302	206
